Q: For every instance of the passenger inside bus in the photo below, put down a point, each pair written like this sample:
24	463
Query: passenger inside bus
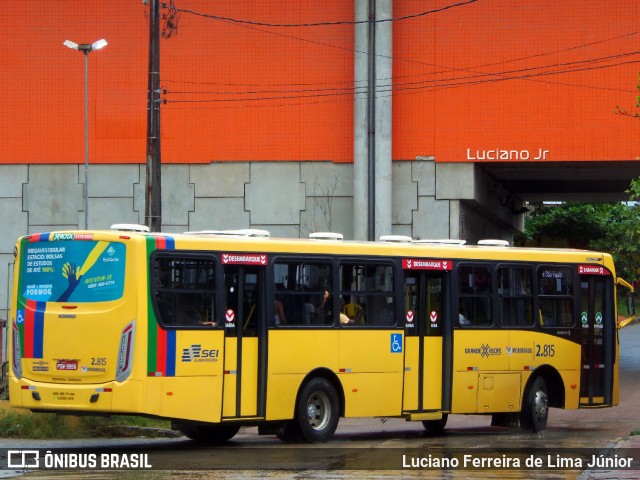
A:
322	313
313	309
308	311
352	312
279	317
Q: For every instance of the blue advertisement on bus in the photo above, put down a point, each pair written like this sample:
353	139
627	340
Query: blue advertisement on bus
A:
73	271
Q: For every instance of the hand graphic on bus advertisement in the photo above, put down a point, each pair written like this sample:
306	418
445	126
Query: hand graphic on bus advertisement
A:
69	272
69	269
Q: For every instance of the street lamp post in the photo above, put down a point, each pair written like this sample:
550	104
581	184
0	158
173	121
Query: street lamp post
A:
86	48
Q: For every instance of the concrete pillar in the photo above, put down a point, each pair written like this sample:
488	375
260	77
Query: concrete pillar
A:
381	139
383	115
360	137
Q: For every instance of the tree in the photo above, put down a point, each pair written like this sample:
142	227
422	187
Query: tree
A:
623	111
608	227
624	240
568	224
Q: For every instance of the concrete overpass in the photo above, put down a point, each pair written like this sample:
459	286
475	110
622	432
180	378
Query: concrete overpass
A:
565	181
489	199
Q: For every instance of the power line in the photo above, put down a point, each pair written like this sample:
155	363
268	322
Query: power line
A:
351	88
311	90
481	78
389	89
473	69
247	24
568	49
397	84
321	24
302	100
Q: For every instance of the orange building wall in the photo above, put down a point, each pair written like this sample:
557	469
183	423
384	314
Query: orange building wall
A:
486	76
43	116
483	76
257	93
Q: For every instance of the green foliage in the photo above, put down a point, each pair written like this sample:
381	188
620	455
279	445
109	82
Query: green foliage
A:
623	111
577	224
23	424
608	227
634	190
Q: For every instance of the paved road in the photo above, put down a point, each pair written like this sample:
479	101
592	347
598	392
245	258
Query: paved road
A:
361	445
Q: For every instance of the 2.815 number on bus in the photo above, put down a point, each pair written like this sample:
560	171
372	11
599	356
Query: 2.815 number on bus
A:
545	350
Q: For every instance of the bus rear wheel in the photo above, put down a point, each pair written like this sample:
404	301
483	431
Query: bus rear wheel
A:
317	412
209	434
535	407
436	426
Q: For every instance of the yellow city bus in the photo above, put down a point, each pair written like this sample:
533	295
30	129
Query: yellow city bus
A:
221	329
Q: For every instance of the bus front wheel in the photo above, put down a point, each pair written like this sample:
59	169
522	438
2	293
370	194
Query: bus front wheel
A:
317	411
210	434
535	407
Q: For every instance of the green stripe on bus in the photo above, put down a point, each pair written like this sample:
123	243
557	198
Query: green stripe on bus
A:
152	345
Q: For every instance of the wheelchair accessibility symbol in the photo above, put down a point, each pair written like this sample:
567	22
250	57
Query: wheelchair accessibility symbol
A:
396	343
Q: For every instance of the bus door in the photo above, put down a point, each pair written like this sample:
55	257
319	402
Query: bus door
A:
597	327
425	293
244	323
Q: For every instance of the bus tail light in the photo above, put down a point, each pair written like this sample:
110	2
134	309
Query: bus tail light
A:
16	361
125	353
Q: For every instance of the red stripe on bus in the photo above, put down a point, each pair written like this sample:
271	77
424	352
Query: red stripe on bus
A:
29	322
161	353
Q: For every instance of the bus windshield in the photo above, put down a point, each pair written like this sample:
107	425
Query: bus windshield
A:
73	271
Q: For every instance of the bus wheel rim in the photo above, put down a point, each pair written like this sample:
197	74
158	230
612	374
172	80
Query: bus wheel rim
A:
318	410
540	405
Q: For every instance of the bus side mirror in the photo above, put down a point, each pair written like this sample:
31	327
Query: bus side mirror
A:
630	304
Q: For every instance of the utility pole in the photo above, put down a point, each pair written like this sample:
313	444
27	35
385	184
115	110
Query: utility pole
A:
153	198
371	120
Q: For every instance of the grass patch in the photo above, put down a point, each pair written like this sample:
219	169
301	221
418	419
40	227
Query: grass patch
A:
18	424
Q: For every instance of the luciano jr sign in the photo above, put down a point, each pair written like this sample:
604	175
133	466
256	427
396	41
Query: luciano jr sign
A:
503	154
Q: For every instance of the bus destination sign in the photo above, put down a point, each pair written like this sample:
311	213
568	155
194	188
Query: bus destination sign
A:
244	259
593	270
425	264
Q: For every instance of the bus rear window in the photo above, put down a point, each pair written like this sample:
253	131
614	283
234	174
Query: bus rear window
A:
73	271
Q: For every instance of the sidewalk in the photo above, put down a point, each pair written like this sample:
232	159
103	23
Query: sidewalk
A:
629	443
626	446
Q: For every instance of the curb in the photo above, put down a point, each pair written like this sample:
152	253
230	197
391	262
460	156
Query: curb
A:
631	442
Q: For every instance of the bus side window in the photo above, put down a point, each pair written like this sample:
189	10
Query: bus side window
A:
475	296
555	301
303	293
184	290
367	294
515	296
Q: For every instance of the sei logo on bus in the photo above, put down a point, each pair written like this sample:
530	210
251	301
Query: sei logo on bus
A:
195	353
